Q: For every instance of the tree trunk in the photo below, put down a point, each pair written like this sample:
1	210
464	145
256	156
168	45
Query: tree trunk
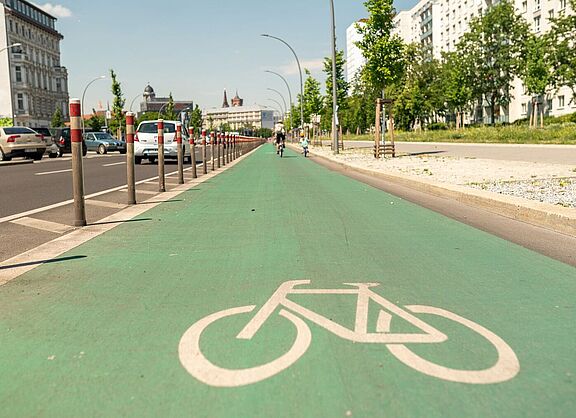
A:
532	112
492	112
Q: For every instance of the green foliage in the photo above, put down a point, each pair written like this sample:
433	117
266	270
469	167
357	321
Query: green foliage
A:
224	127
118	118
263	133
196	118
6	122
96	122
57	119
341	88
492	49
147	116
169	112
313	101
383	51
562	37
457	90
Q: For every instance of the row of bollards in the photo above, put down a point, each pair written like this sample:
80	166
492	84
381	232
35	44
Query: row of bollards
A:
224	147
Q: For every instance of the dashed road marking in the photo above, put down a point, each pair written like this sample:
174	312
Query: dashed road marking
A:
43	225
105	204
113	164
45	173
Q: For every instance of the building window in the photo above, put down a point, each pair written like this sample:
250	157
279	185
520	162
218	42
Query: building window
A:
537	24
560	102
18	74
562	4
537	5
550	14
524	6
524	108
20	101
549	104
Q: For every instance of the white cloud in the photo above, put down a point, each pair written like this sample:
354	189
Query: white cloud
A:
55	10
312	65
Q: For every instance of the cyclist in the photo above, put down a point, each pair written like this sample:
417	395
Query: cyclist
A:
304	143
280	142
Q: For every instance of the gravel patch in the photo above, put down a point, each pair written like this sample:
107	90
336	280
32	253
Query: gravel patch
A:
550	183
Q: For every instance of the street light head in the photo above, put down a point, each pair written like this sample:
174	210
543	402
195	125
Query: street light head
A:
265	35
16	44
102	77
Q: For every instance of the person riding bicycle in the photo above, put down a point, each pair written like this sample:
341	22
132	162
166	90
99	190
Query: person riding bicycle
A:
304	143
280	141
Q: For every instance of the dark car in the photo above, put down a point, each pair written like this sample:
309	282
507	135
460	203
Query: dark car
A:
62	138
51	145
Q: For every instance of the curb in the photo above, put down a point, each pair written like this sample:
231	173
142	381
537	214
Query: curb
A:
18	162
556	218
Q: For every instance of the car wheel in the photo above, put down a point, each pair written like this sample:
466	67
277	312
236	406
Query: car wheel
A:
102	150
122	151
138	160
60	153
3	156
38	156
152	160
53	155
84	152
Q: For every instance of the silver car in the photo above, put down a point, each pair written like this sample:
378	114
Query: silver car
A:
18	141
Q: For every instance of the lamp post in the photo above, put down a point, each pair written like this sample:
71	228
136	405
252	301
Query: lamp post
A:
279	106
102	77
282	97
287	86
299	72
334	86
11	46
133	100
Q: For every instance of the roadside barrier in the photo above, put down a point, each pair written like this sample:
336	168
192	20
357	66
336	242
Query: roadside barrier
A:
161	168
225	149
204	162
193	152
77	167
212	139
130	176
218	160
180	153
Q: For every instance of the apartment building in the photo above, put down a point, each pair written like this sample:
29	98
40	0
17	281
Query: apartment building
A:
33	83
439	24
354	58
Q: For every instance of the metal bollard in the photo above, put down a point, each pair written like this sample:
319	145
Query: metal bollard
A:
234	148
219	153
77	167
225	151
230	148
204	162
130	176
193	152
212	139
161	170
180	153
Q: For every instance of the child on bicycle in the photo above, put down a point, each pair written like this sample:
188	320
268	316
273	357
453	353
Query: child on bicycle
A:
304	143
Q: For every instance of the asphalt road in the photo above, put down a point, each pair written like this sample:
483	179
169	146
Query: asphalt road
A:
556	154
28	187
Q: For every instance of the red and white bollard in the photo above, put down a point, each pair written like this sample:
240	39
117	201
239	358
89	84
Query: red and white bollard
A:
161	171
77	167
180	153
225	148
130	176
212	139
193	152
204	162
219	152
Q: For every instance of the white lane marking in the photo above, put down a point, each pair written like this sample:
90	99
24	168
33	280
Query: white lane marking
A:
110	165
45	173
105	204
43	225
68	202
150	192
31	259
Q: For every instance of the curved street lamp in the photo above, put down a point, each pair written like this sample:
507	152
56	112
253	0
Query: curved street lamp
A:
11	46
282	97
133	100
102	77
335	124
299	72
279	106
289	91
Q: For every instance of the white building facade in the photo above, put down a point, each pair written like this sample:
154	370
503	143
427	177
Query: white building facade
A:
33	83
354	58
239	117
439	25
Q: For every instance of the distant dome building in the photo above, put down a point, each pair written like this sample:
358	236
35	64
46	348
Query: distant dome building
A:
151	103
149	94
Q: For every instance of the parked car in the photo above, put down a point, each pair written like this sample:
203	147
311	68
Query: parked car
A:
51	145
18	141
62	138
146	142
102	142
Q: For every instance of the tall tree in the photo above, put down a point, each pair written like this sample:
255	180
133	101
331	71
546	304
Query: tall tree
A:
313	100
170	112
563	41
493	47
57	118
382	50
457	89
341	88
117	120
196	118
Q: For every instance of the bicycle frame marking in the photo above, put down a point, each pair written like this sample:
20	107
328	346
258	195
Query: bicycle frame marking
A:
506	367
360	333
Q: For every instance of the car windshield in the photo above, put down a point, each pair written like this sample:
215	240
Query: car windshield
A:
103	136
152	128
18	130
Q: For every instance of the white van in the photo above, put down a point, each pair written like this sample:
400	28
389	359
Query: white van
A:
146	142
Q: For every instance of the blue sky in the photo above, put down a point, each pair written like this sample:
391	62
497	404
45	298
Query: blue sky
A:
195	49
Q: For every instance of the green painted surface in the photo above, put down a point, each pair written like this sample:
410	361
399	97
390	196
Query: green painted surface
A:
98	336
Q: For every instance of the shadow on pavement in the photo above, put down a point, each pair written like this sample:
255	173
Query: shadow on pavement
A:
54	260
121	222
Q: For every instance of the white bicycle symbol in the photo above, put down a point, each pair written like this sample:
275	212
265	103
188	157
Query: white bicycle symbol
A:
194	361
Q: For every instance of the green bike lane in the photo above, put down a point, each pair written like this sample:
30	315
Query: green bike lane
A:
99	335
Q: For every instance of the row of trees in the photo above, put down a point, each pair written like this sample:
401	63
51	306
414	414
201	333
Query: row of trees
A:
478	74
